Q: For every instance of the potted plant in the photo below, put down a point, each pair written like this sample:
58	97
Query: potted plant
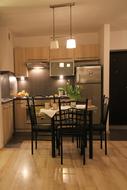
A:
73	91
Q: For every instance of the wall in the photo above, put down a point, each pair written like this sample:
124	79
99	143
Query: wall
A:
40	83
35	41
118	40
104	55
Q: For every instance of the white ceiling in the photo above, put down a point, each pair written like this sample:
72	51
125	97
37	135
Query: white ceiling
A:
34	17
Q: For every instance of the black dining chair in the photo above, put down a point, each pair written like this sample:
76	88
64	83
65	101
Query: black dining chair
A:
72	123
100	128
37	129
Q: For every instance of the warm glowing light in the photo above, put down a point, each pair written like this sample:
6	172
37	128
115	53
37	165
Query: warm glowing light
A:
54	44
61	64
12	78
71	43
61	77
25	172
37	68
22	78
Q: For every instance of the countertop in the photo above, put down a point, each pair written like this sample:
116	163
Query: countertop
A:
6	100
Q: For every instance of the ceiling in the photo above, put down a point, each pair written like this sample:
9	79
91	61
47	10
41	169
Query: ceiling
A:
33	18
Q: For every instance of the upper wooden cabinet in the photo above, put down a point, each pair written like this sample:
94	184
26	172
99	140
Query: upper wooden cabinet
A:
89	51
37	53
19	61
61	53
23	54
6	50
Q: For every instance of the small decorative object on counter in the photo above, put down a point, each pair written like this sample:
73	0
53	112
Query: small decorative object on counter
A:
22	93
61	91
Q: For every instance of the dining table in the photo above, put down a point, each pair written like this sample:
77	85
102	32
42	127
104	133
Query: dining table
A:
51	113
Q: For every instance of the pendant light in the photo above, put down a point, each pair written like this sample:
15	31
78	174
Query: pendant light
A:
54	44
71	43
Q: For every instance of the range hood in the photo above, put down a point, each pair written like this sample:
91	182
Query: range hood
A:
40	64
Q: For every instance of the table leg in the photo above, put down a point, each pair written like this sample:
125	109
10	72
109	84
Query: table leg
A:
90	135
53	137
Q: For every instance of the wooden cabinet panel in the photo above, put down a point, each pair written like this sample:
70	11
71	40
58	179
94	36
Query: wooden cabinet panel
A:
61	53
37	53
19	59
86	51
21	116
7	114
22	55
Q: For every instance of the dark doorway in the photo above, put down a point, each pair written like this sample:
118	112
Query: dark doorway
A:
118	88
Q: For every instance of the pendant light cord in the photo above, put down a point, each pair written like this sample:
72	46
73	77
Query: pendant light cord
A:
53	23
70	22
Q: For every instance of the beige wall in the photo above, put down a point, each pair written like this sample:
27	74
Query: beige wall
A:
104	55
35	41
118	40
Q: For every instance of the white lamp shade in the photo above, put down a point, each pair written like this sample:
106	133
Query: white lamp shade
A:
54	44
71	43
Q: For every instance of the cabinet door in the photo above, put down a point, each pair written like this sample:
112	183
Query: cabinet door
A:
21	116
61	53
37	53
90	51
19	58
7	113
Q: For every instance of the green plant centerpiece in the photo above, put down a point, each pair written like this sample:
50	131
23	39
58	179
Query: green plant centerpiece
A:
73	91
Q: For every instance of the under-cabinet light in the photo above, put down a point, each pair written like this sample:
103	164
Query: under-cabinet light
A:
61	77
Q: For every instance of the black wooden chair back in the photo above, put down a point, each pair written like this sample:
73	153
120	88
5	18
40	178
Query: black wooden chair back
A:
72	123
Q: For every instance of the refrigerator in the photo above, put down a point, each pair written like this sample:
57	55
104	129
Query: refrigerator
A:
90	80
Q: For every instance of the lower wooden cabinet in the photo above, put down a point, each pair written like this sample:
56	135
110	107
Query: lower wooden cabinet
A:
22	122
8	127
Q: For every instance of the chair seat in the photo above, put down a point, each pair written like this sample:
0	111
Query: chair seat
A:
67	131
43	127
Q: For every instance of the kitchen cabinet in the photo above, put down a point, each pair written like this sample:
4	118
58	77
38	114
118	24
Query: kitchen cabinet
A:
22	122
61	53
37	53
6	50
7	115
19	61
89	51
23	55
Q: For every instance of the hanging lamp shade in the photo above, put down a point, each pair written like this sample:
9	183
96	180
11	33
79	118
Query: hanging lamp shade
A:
54	44
71	43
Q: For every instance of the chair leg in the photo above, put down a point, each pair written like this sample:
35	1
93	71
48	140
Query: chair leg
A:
83	151
105	143
36	140
61	149
84	155
32	137
101	139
